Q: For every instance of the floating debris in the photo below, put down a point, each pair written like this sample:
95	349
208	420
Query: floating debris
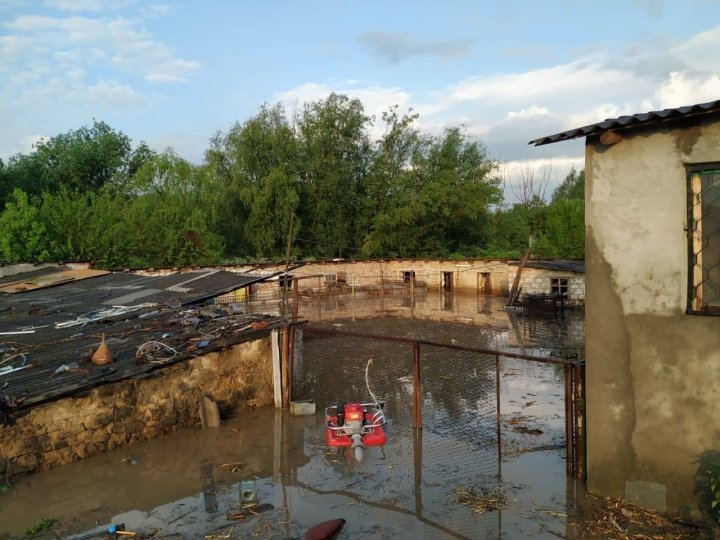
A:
483	499
614	519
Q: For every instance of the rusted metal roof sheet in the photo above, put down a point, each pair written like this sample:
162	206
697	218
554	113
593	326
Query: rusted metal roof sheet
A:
652	118
44	329
577	267
47	278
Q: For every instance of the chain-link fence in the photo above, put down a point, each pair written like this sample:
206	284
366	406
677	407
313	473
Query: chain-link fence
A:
418	471
458	403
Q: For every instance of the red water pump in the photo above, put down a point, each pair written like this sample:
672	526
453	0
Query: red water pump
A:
356	425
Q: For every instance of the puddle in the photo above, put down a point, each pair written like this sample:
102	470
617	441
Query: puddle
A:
406	489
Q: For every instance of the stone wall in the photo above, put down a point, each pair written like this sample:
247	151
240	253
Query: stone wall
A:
133	410
538	281
463	275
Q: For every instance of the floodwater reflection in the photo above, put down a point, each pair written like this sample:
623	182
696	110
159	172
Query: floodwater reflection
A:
406	489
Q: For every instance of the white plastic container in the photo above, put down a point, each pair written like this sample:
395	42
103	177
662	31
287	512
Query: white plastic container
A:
302	408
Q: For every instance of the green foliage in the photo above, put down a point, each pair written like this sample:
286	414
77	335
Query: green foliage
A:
79	160
439	203
43	525
572	187
22	233
89	195
714	476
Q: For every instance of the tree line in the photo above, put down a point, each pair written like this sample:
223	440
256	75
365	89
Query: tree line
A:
315	182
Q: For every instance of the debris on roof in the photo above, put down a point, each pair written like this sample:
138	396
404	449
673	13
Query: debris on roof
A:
577	267
632	122
49	334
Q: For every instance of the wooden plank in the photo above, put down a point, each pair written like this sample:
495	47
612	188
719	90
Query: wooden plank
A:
277	379
516	282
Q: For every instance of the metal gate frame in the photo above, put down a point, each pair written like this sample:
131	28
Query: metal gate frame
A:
574	379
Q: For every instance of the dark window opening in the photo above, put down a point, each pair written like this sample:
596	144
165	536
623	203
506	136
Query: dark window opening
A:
448	281
408	275
559	286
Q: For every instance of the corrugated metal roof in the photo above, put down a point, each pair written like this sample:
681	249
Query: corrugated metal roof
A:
23	282
577	267
51	327
632	122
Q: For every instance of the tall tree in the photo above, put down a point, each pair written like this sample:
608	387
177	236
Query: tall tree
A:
79	160
572	186
334	160
254	167
441	207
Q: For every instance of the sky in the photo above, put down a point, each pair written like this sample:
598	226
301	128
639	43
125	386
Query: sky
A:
174	74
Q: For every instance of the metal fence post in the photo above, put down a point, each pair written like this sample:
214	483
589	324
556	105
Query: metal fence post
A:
497	409
417	388
569	457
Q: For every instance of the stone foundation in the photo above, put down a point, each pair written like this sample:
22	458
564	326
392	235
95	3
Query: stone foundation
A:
137	409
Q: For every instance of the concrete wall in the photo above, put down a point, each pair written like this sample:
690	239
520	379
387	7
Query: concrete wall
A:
652	397
466	274
133	410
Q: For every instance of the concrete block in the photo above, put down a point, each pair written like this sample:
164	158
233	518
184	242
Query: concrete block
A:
646	494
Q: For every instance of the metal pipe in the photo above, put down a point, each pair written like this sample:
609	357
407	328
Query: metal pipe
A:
417	388
489	352
497	411
568	423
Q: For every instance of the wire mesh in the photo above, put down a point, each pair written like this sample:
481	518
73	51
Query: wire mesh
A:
417	471
460	437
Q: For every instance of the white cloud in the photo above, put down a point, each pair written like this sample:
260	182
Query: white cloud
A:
80	58
531	112
701	52
681	89
531	85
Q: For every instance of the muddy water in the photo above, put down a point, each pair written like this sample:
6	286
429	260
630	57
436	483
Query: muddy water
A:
407	489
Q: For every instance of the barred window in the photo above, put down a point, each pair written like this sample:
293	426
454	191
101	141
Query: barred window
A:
704	239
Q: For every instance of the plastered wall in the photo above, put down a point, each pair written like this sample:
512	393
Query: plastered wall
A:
653	404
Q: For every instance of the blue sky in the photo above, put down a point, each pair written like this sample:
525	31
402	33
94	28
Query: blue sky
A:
172	74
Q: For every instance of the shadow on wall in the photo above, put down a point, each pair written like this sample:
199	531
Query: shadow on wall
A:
708	468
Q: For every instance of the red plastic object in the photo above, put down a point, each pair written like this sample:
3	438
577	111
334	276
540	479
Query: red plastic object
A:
373	434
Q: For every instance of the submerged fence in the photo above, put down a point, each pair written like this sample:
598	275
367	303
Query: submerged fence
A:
459	387
447	425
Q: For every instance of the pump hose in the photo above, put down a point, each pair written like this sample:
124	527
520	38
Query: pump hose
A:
367	383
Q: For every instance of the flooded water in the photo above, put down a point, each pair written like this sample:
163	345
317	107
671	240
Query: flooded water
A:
187	484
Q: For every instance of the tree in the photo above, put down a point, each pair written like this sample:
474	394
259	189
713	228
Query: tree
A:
79	160
21	231
572	187
334	159
441	207
254	170
166	223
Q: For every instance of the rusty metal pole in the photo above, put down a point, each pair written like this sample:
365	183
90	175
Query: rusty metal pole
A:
568	423
296	302
417	388
497	409
291	362
285	362
382	292
579	421
417	462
